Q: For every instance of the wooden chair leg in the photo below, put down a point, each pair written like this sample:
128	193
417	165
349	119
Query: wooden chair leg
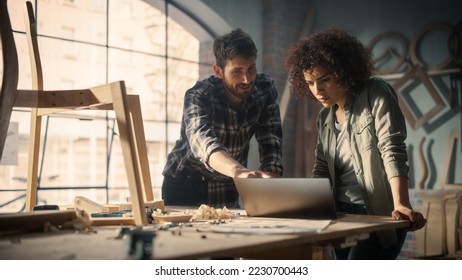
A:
34	151
140	141
127	140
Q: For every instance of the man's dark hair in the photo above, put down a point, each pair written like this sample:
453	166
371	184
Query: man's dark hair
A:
234	43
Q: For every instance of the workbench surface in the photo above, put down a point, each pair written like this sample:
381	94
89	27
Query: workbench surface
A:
240	237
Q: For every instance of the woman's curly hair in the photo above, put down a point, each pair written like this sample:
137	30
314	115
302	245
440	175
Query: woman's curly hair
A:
336	51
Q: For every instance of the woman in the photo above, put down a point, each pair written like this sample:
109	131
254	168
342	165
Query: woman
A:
361	135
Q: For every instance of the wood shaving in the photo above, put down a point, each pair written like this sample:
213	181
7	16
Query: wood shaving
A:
158	212
205	212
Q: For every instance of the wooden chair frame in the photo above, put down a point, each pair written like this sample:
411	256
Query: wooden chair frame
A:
42	102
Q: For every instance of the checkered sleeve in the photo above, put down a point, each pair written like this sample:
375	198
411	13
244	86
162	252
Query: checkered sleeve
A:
199	127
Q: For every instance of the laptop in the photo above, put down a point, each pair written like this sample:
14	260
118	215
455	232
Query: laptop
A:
301	198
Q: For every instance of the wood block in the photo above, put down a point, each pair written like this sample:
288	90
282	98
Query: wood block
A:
429	240
453	209
440	236
89	206
112	207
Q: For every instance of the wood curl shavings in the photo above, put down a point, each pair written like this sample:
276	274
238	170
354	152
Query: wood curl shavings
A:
205	212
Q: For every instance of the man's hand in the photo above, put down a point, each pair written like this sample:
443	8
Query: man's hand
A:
248	173
226	165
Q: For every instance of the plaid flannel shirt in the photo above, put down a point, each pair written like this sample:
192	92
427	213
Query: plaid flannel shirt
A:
209	124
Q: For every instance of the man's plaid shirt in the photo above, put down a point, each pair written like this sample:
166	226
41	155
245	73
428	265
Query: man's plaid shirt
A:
209	124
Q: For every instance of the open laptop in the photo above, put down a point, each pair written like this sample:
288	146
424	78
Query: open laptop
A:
309	198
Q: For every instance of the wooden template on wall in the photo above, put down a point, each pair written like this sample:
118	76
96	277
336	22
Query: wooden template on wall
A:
418	72
444	183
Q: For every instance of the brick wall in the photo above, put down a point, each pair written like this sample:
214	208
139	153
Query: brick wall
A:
206	59
281	28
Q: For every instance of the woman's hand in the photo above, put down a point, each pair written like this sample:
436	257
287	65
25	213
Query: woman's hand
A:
416	218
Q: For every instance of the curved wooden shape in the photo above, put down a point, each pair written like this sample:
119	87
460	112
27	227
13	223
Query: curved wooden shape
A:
10	73
423	162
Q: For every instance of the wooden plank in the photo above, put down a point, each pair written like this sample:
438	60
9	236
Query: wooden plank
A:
36	120
33	162
119	221
127	141
63	99
34	221
110	207
140	146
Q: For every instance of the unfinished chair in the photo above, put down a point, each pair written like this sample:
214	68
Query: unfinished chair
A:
43	102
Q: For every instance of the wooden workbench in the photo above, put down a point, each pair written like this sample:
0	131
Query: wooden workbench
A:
241	237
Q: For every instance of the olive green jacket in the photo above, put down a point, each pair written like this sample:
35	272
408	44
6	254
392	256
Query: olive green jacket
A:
377	131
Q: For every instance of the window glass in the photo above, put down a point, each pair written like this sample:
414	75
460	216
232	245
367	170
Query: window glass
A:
80	47
71	65
135	25
143	75
181	76
85	18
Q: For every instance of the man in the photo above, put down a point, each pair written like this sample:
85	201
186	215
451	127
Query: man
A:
220	116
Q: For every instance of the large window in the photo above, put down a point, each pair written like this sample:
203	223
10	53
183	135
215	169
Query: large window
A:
85	43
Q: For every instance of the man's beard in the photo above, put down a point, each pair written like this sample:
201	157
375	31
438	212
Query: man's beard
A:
234	91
